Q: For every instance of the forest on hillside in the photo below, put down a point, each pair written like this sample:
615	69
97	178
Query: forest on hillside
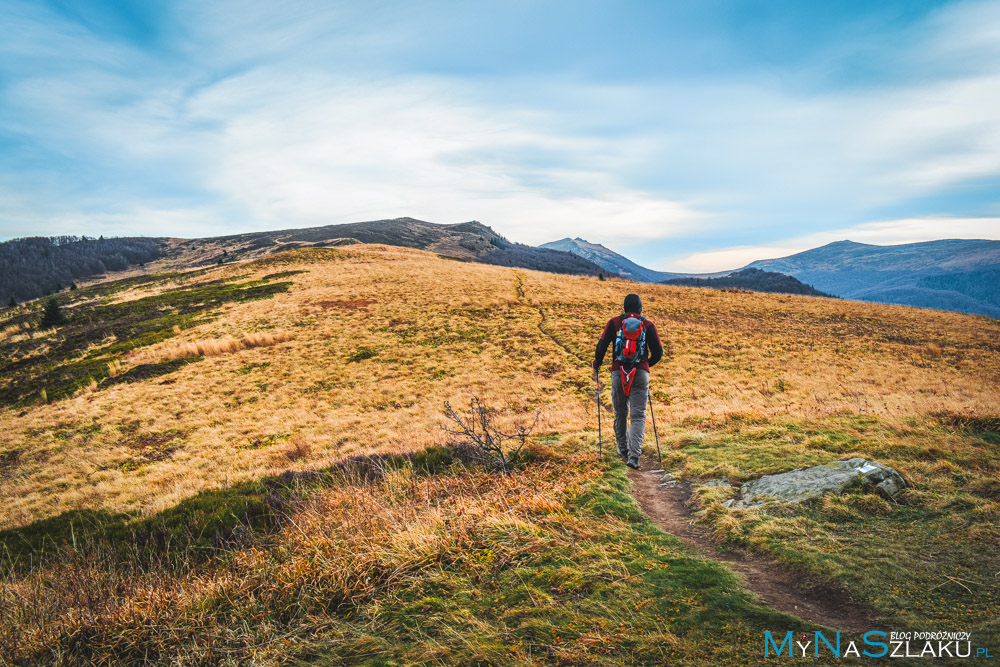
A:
983	285
755	280
540	259
36	266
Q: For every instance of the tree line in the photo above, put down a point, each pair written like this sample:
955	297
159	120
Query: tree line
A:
983	284
37	266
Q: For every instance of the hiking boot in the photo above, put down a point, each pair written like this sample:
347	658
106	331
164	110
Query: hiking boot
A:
622	452
633	462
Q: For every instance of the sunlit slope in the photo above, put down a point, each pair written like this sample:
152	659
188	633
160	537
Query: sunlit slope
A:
378	338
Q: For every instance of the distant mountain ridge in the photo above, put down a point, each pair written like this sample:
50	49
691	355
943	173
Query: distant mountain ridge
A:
951	274
471	240
38	266
755	280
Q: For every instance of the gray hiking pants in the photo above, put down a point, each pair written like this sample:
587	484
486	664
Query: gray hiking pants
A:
631	408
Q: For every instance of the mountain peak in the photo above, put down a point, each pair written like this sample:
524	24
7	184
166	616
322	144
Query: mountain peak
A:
846	243
608	259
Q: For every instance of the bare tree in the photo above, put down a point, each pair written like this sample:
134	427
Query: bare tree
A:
495	448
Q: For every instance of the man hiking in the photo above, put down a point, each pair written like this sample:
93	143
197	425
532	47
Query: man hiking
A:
636	348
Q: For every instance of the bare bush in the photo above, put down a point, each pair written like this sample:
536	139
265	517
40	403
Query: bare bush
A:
493	447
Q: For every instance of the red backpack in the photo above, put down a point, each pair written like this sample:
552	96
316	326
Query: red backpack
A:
630	348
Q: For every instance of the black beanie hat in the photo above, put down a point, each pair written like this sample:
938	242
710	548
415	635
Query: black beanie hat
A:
633	304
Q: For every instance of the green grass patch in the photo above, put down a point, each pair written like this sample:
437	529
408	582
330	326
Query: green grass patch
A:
361	354
320	386
145	321
281	274
250	368
264	441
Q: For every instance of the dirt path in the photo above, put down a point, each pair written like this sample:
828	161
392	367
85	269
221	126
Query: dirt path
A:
776	585
519	289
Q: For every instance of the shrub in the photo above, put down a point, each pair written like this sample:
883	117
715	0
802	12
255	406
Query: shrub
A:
489	445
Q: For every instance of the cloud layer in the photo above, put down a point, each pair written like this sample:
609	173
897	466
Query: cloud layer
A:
678	136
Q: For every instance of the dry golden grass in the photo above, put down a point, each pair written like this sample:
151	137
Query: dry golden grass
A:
433	330
339	549
14	329
206	348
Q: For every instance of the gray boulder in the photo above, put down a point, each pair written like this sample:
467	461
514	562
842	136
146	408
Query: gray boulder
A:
836	477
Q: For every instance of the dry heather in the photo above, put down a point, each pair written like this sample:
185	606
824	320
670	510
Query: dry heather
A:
370	341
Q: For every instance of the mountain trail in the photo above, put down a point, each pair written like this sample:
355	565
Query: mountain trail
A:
776	585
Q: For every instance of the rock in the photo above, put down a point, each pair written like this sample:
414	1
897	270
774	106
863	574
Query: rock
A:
836	477
668	480
890	487
717	482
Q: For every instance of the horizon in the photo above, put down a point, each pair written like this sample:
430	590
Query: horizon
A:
688	139
565	238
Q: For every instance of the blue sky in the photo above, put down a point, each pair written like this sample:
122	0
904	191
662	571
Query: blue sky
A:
694	136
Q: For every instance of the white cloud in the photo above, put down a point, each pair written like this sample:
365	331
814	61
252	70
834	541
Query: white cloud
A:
325	151
887	232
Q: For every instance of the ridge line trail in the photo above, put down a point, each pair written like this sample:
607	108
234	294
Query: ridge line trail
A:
775	585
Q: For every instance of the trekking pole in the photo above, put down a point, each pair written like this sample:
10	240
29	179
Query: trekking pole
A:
653	417
600	453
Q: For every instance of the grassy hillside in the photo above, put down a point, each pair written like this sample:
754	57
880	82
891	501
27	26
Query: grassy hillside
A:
239	463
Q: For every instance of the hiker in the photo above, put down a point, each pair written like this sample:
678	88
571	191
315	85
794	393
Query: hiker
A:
636	348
